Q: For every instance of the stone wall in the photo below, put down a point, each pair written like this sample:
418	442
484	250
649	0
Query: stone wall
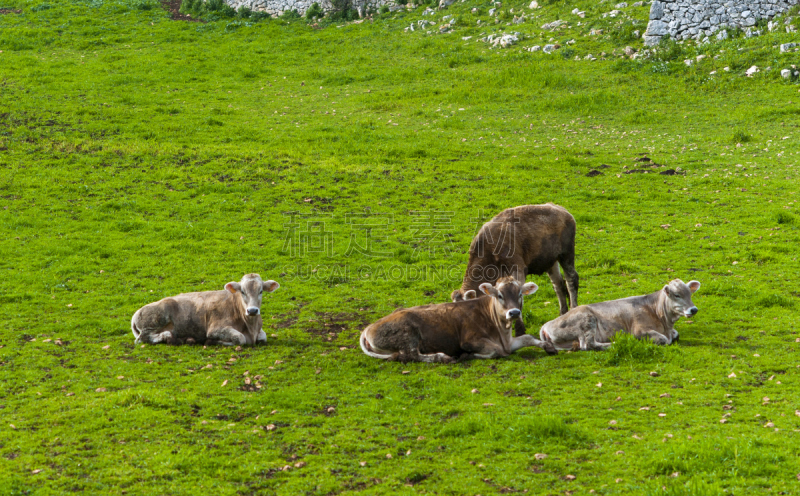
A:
696	19
277	7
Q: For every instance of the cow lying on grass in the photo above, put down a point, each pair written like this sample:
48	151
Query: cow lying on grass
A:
230	317
590	327
531	239
446	332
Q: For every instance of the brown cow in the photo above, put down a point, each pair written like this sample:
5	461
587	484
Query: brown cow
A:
230	317
652	316
446	332
531	239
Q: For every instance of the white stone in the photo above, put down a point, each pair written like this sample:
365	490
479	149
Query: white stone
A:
722	35
621	5
550	48
786	73
688	62
752	70
656	28
534	5
651	40
787	47
656	10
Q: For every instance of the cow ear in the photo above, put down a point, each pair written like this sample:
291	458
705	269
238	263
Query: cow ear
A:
270	286
693	286
529	288
456	296
488	289
666	290
470	294
233	287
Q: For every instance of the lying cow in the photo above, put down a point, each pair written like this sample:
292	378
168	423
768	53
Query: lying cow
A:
446	332
531	239
653	316
230	317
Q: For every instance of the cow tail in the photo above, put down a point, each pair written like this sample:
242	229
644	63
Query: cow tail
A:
367	349
134	329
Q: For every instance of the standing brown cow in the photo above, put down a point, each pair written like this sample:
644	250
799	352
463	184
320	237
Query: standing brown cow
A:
530	239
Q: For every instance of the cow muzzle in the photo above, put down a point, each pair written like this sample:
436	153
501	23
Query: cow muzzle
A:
251	311
514	313
690	312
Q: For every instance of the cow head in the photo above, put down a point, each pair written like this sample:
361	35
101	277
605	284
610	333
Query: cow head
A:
507	296
250	289
461	295
679	298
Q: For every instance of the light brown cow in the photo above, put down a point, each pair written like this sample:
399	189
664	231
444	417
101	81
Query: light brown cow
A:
531	239
446	332
590	327
230	317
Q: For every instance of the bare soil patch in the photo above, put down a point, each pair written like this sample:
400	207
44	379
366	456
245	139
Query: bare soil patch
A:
174	8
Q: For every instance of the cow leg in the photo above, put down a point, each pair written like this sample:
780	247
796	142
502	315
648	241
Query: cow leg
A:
151	324
675	336
483	350
654	336
528	340
226	336
262	337
575	330
519	327
559	287
434	358
567	263
157	337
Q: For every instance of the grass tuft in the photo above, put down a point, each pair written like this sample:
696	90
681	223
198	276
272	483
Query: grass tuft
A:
627	349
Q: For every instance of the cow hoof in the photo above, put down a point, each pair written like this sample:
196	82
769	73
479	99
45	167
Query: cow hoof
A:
550	349
190	341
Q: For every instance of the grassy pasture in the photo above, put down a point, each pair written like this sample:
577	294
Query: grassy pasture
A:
141	157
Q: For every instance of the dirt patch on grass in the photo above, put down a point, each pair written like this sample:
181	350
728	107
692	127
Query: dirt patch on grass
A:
329	325
174	8
10	11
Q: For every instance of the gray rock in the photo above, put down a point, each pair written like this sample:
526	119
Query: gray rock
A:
550	48
656	28
722	35
656	10
652	40
786	73
787	46
750	21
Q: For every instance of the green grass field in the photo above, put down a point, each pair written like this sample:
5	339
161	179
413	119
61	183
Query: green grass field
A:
143	157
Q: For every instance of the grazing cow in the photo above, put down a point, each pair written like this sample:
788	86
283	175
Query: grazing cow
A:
650	316
446	332
531	239
230	317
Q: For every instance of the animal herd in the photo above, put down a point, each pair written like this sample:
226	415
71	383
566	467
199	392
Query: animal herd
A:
530	239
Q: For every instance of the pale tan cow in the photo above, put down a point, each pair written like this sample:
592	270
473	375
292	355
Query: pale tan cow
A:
590	327
230	317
